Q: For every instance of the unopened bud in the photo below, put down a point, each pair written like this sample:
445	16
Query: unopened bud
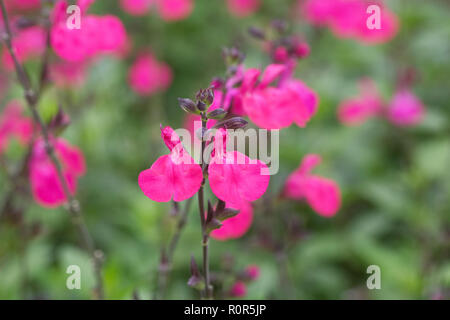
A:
232	123
256	33
187	105
217	114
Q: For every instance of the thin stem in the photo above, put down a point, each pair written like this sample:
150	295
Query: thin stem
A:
201	206
165	265
73	206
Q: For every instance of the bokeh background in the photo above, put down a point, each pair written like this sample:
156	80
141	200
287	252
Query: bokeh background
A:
395	181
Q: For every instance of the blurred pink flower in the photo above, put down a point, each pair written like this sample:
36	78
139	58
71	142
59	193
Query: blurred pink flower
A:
252	272
173	10
147	75
46	187
243	8
14	125
238	290
136	7
405	109
367	104
234	177
97	34
323	195
236	226
276	107
28	43
348	19
174	176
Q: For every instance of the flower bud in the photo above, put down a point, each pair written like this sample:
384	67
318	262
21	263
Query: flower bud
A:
232	123
206	96
187	105
256	33
201	106
226	214
216	114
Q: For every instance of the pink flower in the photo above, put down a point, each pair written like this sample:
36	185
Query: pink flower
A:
276	107
236	226
14	125
173	10
147	75
173	176
348	19
367	104
234	177
323	195
238	290
243	8
46	187
405	109
97	34
29	43
136	7
252	272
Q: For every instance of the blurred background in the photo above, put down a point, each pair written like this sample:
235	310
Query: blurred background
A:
395	181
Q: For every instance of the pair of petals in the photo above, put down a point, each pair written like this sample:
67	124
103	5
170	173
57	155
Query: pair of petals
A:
323	195
277	107
46	187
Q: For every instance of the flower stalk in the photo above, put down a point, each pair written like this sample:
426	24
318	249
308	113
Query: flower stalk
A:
73	206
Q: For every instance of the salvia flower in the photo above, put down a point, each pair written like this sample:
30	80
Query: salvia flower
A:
276	107
14	125
234	177
96	35
252	272
29	43
367	104
405	109
174	10
46	186
136	7
243	8
174	176
237	226
238	290
323	195
348	19
148	75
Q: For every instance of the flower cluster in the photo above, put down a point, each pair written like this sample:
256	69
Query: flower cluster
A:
404	109
348	19
168	10
97	34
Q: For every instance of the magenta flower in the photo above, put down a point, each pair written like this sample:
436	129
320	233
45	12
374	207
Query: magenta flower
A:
173	10
174	176
97	34
29	43
22	5
252	272
405	109
348	19
148	76
236	226
46	187
323	195
367	104
243	8
234	177
276	107
238	290
136	7
14	125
